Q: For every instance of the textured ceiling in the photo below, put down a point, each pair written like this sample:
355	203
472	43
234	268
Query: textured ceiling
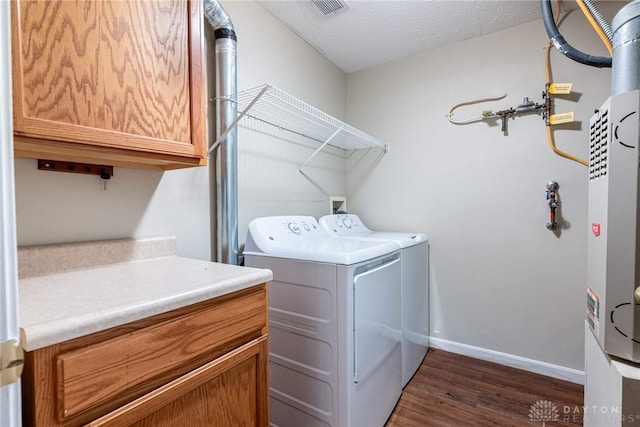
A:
372	32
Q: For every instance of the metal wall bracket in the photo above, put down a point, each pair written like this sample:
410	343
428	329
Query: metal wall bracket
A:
72	167
11	362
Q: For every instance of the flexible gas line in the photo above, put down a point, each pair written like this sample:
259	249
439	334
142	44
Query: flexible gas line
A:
552	143
472	101
596	26
526	107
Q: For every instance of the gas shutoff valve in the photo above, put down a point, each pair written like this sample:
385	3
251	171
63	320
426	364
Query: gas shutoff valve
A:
552	197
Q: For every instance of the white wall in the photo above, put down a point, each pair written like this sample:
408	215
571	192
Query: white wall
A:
267	179
57	207
500	280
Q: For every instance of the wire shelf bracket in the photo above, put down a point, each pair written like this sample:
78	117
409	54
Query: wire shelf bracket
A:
271	105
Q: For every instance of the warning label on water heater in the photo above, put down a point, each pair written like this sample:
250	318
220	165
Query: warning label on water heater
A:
593	310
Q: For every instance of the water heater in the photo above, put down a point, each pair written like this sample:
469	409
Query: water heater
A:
613	272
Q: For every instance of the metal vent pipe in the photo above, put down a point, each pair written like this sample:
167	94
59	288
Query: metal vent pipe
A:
625	69
223	161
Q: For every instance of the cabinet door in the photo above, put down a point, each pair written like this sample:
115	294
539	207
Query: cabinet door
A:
229	391
119	81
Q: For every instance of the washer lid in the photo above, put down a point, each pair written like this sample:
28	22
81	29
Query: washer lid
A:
350	226
300	237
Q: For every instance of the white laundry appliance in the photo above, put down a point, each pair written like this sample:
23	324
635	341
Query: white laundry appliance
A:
334	324
414	257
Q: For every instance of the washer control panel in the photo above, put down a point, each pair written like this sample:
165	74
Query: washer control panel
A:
284	231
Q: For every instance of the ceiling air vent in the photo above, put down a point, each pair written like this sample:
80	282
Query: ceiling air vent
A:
330	7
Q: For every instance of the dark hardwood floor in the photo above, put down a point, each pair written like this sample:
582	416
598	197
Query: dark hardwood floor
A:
454	390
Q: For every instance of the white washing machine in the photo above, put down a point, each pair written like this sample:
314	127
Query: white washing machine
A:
334	324
414	256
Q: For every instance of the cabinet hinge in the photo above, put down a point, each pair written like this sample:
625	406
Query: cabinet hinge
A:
11	362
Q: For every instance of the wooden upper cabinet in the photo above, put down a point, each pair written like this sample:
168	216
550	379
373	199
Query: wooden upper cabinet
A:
117	82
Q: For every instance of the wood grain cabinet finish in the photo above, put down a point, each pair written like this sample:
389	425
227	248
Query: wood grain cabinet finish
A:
117	82
201	365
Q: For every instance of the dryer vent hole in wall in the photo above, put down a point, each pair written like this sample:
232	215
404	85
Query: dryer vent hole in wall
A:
337	204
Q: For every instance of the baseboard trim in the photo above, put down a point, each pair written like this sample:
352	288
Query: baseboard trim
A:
536	366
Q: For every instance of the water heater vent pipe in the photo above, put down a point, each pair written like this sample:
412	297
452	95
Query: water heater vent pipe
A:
625	70
223	160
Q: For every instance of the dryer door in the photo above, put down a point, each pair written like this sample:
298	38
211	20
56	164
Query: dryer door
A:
376	316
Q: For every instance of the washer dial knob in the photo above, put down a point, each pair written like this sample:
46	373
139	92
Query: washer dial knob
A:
293	227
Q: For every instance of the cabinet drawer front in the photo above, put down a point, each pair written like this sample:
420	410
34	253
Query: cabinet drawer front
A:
93	375
229	391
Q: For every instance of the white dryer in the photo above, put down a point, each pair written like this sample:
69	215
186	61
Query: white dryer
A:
334	324
414	257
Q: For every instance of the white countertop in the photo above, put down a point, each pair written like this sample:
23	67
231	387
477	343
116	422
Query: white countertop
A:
62	306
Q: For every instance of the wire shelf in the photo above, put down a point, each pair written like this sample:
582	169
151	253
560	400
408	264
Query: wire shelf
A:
271	105
287	112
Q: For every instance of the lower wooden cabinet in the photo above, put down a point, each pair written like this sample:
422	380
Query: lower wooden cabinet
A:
202	365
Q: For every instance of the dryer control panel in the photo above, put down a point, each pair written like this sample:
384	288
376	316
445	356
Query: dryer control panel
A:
343	224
